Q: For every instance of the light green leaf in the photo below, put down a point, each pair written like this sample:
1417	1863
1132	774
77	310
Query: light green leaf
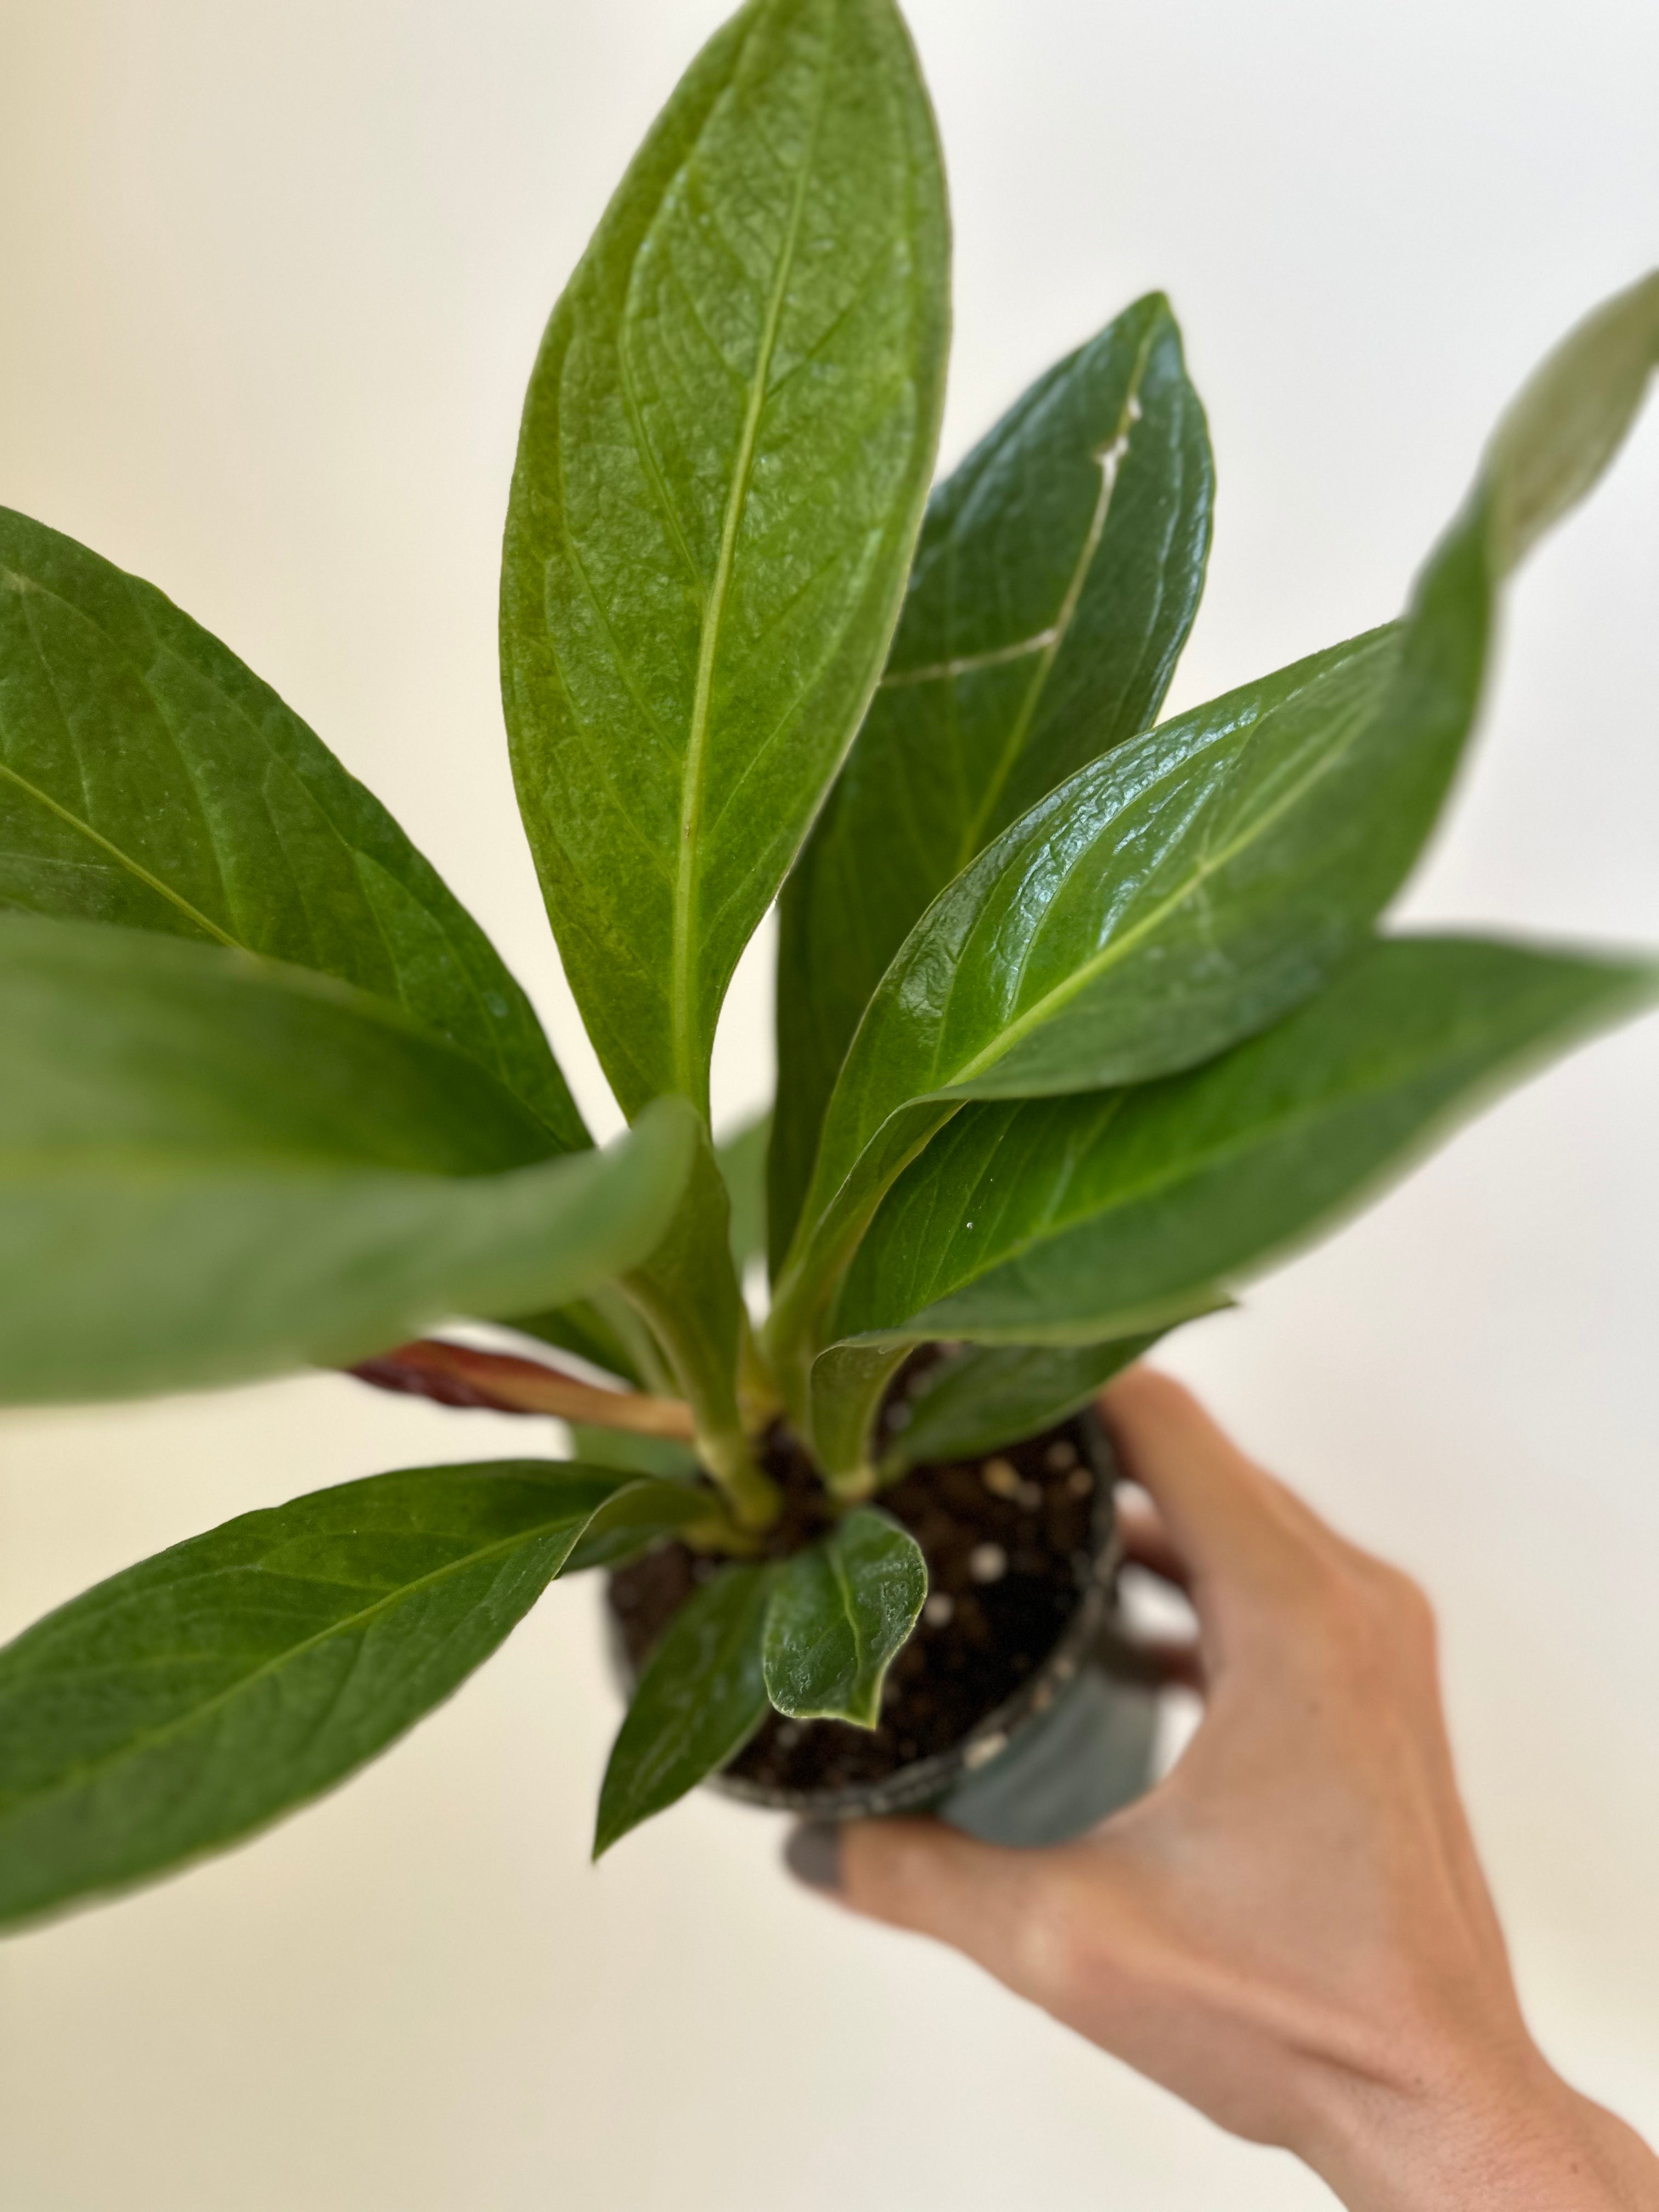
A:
1069	1220
213	1167
1571	419
584	1328
179	1706
148	779
840	1614
1199	881
725	452
743	1164
1057	575
700	1696
848	1384
986	1396
622	1448
687	1289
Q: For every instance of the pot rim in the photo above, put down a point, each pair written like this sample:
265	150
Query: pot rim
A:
923	1781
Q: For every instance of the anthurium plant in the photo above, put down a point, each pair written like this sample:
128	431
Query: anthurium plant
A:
1084	1017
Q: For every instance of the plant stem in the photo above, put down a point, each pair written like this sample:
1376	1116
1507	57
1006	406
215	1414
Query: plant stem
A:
455	1374
688	1291
759	1400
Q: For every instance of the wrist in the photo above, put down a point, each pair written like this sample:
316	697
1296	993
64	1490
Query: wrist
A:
1480	2134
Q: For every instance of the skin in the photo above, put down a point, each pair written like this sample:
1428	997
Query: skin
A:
1292	1931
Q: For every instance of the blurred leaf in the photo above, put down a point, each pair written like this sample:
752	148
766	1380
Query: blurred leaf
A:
725	452
1057	575
584	1328
212	1167
617	1448
841	1613
986	1396
148	778
743	1164
1070	1220
1573	416
182	1704
700	1696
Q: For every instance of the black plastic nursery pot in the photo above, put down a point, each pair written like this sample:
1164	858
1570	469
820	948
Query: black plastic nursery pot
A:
1009	1713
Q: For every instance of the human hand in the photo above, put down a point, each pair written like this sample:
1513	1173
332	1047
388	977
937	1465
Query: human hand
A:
1292	1931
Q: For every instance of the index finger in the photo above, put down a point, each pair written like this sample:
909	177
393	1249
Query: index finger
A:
1230	1521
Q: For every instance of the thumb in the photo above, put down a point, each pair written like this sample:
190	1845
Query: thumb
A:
992	1905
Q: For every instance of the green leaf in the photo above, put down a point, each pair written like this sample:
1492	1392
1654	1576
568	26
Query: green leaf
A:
1177	894
1571	419
638	1516
213	1167
184	1704
725	452
622	1448
841	1613
148	779
700	1696
1057	575
986	1396
1069	1220
742	1157
607	1332
1181	893
848	1384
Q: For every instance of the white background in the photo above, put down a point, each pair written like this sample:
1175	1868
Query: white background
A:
271	278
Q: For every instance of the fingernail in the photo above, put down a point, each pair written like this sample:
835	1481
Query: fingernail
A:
812	1855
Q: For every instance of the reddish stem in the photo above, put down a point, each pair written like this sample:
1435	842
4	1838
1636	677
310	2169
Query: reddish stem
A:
455	1375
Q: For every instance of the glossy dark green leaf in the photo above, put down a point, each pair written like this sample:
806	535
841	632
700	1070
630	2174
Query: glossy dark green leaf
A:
148	778
184	1704
1115	929
1057	575
1198	881
743	1164
986	1395
213	1167
1067	1220
724	452
700	1696
841	1613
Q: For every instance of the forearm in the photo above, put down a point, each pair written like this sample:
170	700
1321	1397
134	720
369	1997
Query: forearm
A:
1526	2143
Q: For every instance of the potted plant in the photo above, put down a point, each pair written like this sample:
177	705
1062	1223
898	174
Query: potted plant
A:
1084	1019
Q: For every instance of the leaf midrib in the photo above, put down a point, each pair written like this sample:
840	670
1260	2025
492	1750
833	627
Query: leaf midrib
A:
690	1073
134	868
